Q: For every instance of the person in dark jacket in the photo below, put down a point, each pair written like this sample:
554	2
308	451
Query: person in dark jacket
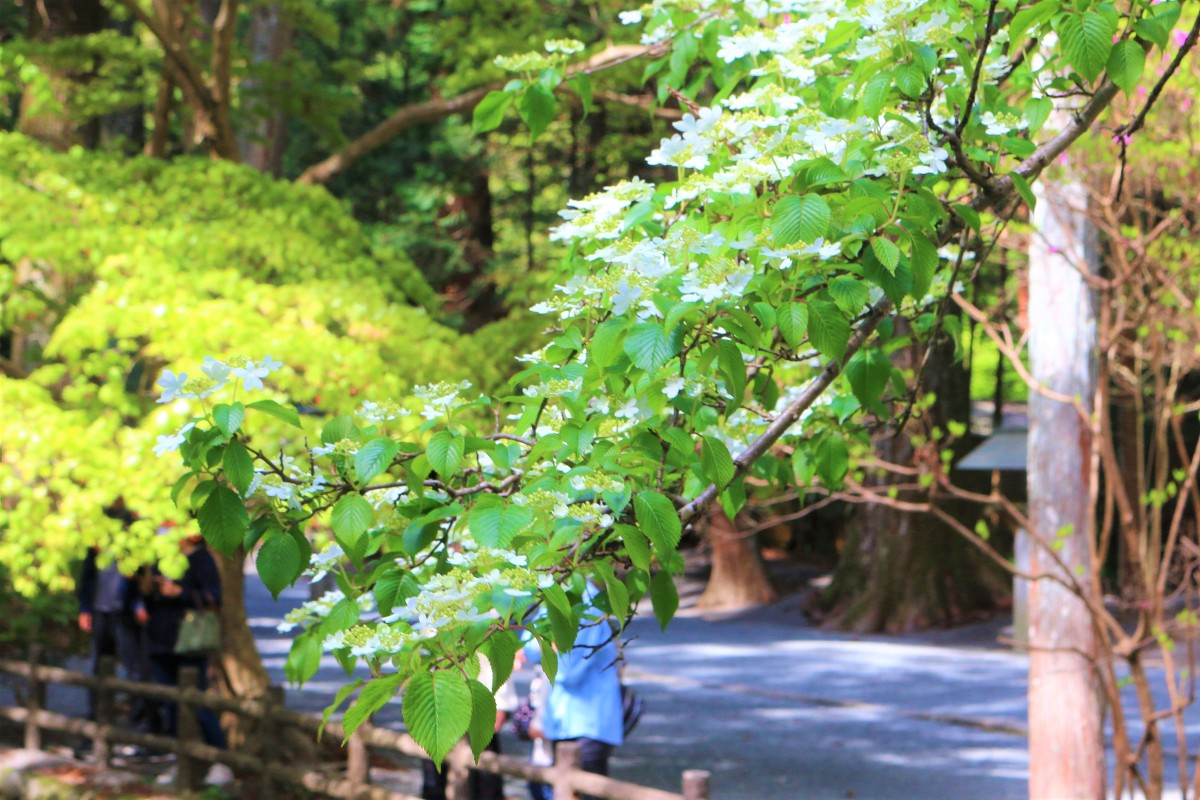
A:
112	611
167	602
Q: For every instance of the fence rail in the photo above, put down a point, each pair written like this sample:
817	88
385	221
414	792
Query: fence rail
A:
566	777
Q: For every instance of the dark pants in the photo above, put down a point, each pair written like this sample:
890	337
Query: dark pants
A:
116	633
593	757
166	671
481	785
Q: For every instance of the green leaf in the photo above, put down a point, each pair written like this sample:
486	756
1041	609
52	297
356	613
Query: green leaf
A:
502	648
239	467
279	563
223	519
968	215
483	717
605	346
337	429
733	368
1087	41
1027	18
393	588
637	545
1037	111
828	329
445	453
374	457
583	85
338	699
665	597
374	696
793	323
868	373
875	94
797	219
887	252
229	417
833	460
564	627
437	711
910	79
489	113
715	461
303	660
537	109
1025	190
1126	64
658	519
849	293
352	515
649	347
272	408
495	525
925	260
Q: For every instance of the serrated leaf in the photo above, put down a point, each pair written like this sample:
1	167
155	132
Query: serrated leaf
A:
665	597
393	588
637	545
910	79
887	252
733	369
849	293
832	460
489	112
279	563
564	627
1087	41
658	519
337	429
868	373
374	696
223	519
352	515
374	457
874	95
303	659
792	319
605	346
483	717
1126	64
502	648
967	215
1025	190
797	219
649	346
1037	111
338	699
229	417
238	466
828	329
496	525
925	261
715	461
277	411
1030	17
537	108
445	453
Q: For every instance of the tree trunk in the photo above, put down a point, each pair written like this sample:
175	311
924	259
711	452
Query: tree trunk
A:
1066	750
263	144
738	579
243	674
50	20
899	570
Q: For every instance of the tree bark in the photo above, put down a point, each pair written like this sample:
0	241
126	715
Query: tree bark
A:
262	145
241	665
1066	750
902	571
50	20
738	579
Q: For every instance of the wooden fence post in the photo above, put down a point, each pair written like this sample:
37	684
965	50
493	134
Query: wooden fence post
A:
106	669
568	757
36	700
696	784
358	765
187	776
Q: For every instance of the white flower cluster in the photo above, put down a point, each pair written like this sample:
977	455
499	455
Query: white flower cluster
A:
313	611
440	398
216	375
374	413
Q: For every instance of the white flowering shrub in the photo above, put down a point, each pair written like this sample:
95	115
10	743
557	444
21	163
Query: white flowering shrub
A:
833	156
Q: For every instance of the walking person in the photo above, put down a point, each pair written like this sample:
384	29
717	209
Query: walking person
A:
168	603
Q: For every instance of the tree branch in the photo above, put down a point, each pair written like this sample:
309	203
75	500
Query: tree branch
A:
433	110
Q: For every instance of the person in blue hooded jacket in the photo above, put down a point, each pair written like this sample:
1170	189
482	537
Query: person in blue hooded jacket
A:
584	703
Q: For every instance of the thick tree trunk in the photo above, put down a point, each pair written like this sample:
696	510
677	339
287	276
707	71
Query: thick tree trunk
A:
902	571
242	671
738	579
58	127
1066	713
263	144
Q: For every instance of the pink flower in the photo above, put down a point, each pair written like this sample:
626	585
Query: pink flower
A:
1185	104
1180	37
1122	138
1062	158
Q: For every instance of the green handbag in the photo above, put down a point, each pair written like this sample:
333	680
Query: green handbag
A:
199	633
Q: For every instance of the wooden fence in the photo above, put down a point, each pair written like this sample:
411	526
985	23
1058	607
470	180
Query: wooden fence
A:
354	784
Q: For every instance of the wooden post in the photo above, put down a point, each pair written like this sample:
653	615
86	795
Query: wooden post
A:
458	773
358	765
567	758
106	668
696	784
1066	751
36	700
187	776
